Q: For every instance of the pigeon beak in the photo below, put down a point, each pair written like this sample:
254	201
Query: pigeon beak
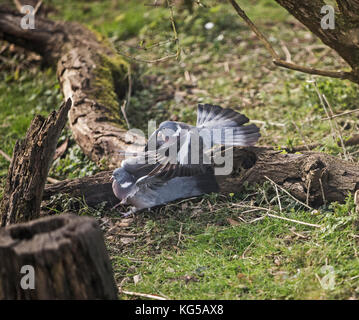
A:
112	177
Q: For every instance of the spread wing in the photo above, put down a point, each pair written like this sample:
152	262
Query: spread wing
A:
226	126
184	157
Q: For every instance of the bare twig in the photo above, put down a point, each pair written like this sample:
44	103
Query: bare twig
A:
247	249
278	124
173	23
143	295
165	58
18	5
322	191
6	156
295	221
356	201
280	204
177	55
333	124
180	235
302	203
280	62
259	34
308	191
37	7
341	114
288	56
52	180
301	135
276	216
126	104
337	127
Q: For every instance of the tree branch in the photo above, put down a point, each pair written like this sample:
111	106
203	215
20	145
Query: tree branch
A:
286	64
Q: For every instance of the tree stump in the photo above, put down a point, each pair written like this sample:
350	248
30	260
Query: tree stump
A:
68	257
29	167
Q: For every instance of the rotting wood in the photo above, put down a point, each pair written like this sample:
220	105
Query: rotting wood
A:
68	256
293	172
90	72
29	167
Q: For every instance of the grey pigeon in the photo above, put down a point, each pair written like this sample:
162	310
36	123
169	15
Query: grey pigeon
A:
177	161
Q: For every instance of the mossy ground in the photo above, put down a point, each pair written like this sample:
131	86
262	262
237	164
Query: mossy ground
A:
212	247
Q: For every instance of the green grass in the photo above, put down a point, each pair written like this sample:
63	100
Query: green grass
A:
215	259
22	95
209	248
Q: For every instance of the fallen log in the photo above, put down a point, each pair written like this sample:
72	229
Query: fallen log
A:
311	177
59	257
29	167
89	71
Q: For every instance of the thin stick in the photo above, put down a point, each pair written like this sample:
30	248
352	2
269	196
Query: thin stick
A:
6	156
280	204
322	190
301	135
147	61
333	124
331	74
276	216
295	221
337	127
37	7
126	104
286	64
144	295
180	235
123	110
246	250
269	122
52	180
18	5
341	114
302	203
308	191
288	56
323	104
170	6
259	34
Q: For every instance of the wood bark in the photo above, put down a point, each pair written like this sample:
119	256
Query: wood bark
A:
29	167
320	177
89	71
67	253
344	38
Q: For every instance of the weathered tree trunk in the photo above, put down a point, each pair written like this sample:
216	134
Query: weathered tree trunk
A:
344	38
68	257
29	167
327	178
94	189
89	71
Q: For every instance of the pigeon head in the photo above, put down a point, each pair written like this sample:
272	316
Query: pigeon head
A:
122	183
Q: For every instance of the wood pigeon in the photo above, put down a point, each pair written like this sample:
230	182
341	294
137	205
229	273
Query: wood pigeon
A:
177	161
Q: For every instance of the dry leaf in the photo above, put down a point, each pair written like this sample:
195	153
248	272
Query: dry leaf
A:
61	149
233	222
137	278
126	240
